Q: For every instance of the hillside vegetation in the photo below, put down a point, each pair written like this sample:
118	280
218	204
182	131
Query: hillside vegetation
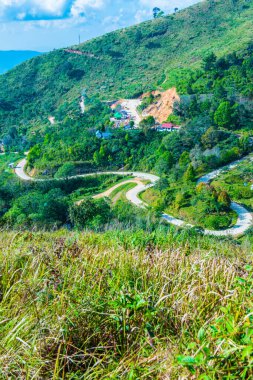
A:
124	63
125	305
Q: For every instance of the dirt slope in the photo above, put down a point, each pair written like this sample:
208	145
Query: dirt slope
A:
162	108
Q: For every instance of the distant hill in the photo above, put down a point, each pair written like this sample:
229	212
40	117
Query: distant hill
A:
124	63
12	58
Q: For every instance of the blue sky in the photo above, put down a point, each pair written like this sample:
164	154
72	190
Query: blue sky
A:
47	24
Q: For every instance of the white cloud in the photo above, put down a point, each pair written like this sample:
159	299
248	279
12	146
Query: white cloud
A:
32	7
141	15
21	16
54	7
79	6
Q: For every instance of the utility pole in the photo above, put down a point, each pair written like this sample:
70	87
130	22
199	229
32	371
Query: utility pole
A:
79	39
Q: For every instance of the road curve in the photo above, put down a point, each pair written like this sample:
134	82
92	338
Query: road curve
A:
243	223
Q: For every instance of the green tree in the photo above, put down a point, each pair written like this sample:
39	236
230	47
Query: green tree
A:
180	200
65	171
131	124
209	62
157	12
184	159
149	122
224	200
34	154
190	175
89	210
245	144
223	115
164	163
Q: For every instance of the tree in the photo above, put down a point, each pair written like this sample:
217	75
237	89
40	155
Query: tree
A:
180	200
162	184
164	163
34	154
212	137
85	213
245	144
138	36
175	119
184	159
220	93
224	200
65	171
157	12
189	175
55	210
227	115
148	122
209	62
81	214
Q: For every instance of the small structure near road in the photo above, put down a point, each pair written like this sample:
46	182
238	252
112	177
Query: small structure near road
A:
168	127
2	148
103	135
125	112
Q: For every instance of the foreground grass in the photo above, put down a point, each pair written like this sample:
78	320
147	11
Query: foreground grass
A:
125	305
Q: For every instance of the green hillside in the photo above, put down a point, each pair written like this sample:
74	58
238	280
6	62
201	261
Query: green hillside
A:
124	63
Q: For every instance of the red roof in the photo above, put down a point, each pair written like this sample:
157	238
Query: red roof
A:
170	126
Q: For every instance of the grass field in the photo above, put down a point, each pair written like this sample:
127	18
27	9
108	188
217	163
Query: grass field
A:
125	305
120	192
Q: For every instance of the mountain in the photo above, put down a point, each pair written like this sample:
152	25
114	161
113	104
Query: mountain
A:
9	59
124	63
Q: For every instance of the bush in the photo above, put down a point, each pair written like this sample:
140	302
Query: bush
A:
90	211
217	222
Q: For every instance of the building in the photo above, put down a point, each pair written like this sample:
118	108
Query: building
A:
118	115
128	127
168	127
103	135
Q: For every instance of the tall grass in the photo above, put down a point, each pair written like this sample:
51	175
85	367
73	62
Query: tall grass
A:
124	305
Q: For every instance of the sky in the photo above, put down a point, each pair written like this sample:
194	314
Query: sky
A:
44	25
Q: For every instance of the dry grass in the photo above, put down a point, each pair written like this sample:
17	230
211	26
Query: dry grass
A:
119	305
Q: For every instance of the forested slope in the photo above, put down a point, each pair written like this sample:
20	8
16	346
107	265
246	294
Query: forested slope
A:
124	63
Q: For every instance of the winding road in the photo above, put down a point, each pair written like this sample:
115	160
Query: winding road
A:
244	222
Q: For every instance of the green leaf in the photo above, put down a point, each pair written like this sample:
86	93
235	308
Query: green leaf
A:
201	334
191	345
247	351
187	360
